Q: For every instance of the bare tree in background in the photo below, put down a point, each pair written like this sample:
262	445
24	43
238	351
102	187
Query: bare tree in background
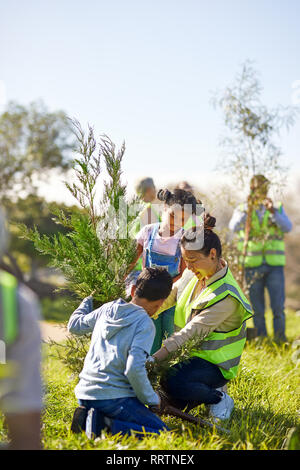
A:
250	146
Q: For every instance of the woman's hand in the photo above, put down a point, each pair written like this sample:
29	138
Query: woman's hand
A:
268	203
161	354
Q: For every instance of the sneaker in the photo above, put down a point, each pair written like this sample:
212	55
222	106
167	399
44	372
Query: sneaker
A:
79	419
223	409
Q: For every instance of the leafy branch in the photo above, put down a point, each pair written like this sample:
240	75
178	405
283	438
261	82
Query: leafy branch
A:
250	148
158	370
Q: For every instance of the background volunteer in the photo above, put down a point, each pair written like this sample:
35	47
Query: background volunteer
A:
265	257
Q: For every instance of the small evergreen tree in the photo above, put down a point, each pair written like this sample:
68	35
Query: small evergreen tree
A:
95	252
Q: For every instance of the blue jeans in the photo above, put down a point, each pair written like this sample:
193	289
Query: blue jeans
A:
272	278
127	414
194	381
164	326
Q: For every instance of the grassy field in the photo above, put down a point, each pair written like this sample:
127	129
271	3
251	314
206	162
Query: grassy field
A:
266	395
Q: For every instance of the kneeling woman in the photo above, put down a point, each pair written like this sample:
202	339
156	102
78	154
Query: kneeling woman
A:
211	306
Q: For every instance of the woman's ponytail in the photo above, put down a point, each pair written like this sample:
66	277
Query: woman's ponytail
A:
209	222
165	195
202	239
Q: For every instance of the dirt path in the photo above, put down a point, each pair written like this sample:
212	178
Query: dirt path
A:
53	331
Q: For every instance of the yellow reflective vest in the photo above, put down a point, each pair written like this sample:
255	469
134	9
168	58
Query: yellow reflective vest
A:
8	320
8	308
221	348
265	243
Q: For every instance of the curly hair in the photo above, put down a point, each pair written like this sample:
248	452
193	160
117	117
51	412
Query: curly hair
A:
180	197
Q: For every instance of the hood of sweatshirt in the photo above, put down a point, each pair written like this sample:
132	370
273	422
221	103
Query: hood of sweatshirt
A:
120	315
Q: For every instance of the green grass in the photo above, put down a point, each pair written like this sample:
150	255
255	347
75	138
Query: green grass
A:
265	392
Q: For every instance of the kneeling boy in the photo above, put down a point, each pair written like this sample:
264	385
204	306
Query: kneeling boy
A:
114	380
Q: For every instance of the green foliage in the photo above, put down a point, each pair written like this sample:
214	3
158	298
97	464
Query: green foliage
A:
293	439
31	211
72	352
92	251
157	370
57	309
265	417
32	140
250	146
89	260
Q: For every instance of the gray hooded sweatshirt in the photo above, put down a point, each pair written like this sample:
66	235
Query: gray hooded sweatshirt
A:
122	337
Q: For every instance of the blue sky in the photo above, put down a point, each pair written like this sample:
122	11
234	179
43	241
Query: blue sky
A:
143	71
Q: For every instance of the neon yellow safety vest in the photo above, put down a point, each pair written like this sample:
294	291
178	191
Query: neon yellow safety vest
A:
8	308
8	320
265	243
221	348
193	221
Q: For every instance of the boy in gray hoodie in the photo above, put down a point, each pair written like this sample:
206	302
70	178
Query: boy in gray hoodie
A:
114	380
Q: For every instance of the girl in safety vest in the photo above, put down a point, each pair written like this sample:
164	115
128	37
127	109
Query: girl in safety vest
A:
210	306
159	245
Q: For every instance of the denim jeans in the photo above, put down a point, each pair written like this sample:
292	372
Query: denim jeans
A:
164	326
127	414
194	381
271	278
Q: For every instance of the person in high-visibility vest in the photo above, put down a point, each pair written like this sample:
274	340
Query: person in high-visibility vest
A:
263	257
160	246
146	191
20	359
211	308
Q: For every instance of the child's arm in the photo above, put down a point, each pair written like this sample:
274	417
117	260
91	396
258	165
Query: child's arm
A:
83	319
140	238
135	370
139	251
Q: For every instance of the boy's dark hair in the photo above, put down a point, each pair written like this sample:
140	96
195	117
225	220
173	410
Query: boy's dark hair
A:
154	284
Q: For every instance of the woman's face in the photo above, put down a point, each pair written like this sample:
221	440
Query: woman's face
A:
201	265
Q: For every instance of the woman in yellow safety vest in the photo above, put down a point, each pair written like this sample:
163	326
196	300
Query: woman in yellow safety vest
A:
211	306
